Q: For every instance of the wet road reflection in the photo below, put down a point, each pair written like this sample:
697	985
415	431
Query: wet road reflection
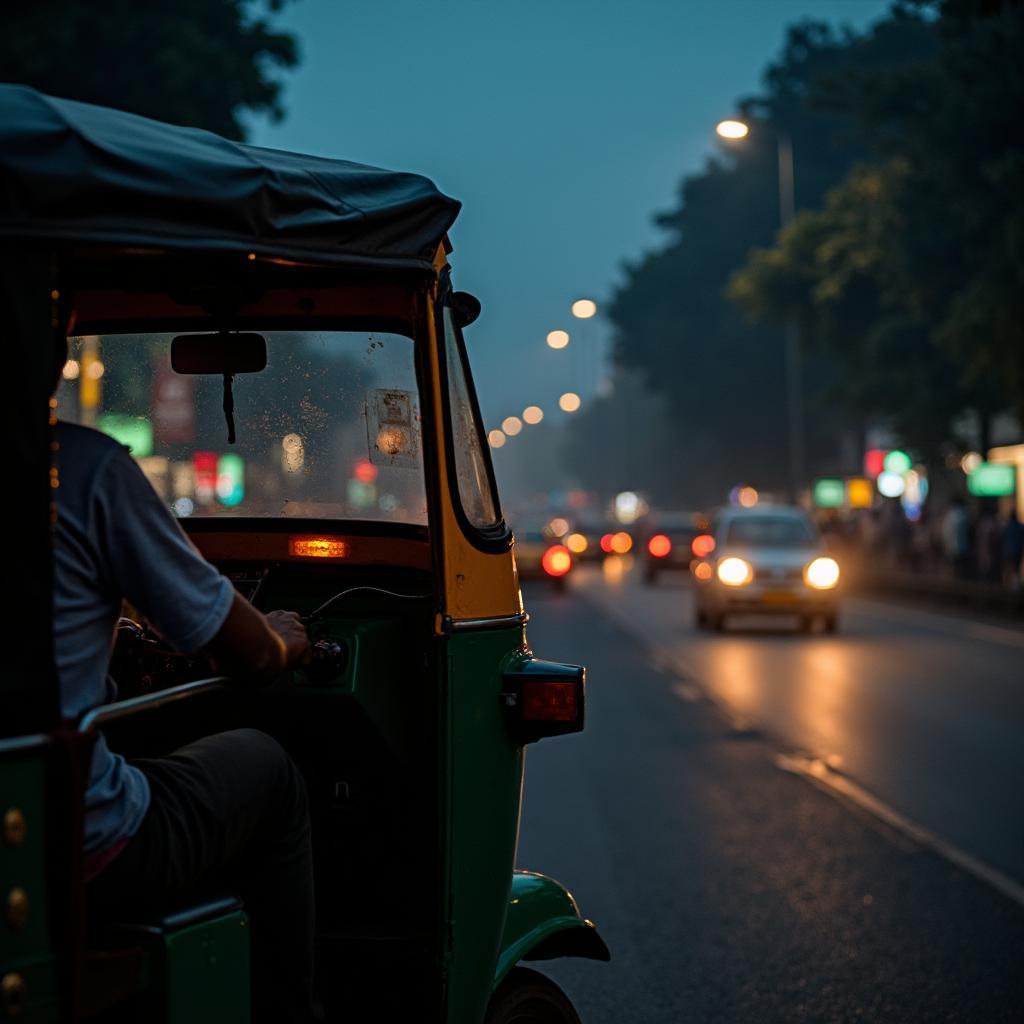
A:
925	710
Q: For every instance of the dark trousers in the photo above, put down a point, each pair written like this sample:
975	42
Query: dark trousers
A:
229	811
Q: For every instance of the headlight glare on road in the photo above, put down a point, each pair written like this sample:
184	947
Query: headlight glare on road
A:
735	572
822	574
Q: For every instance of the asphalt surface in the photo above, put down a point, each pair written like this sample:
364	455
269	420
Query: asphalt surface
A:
729	889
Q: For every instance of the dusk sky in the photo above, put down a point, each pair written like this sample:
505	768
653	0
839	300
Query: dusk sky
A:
561	125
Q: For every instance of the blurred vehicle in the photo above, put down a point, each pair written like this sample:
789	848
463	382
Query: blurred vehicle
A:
768	559
667	542
540	556
585	538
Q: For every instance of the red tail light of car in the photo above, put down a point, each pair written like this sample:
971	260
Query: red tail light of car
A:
659	546
557	560
703	544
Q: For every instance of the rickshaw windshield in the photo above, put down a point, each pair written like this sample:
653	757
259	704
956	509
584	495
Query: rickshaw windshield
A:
329	429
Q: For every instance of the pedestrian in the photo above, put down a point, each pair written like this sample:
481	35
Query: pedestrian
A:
1012	550
956	538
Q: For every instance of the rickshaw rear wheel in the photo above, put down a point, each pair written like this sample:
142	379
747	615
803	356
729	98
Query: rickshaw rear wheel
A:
528	997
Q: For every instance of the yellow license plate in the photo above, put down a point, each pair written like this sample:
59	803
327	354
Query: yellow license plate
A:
778	597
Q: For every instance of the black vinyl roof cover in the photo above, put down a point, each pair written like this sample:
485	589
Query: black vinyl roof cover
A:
80	173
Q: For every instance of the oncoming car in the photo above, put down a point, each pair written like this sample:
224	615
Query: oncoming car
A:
767	560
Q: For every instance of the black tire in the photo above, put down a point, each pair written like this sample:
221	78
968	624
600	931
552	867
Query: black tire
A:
700	619
527	997
716	622
806	624
650	576
832	622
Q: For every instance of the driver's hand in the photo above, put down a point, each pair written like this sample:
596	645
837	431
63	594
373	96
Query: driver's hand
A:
290	628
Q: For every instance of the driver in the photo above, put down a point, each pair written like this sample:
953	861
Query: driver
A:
230	808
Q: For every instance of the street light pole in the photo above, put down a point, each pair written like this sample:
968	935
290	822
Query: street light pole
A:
734	131
794	367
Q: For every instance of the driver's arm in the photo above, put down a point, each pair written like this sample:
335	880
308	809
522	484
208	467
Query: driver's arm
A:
251	643
192	605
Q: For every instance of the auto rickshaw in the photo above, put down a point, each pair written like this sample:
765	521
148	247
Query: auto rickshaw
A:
278	340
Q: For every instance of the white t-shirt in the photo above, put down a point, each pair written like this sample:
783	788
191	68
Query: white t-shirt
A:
115	539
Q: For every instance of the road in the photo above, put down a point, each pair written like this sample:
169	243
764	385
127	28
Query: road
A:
733	888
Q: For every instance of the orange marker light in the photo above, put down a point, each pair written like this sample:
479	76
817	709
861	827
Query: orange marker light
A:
703	570
556	561
703	544
317	547
659	545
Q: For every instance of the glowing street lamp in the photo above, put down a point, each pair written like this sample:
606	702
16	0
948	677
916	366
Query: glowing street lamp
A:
584	309
558	339
533	414
569	402
732	129
496	439
511	425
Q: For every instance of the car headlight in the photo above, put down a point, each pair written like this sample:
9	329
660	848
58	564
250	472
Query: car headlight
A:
735	572
822	574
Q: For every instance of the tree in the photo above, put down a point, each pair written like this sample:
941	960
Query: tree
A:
721	376
913	274
193	62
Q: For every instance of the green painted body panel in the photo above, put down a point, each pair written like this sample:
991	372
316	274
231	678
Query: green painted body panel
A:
27	950
205	972
42	1002
483	772
538	907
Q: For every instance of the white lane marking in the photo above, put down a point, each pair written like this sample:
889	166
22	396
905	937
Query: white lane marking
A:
884	611
818	772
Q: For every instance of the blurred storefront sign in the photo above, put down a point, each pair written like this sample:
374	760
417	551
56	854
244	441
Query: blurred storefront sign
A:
135	432
829	493
172	405
992	480
1012	455
860	493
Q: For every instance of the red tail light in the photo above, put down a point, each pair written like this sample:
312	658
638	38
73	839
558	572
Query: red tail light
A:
543	698
703	544
548	701
557	560
606	543
659	545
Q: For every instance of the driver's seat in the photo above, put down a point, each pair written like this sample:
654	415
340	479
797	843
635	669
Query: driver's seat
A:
189	965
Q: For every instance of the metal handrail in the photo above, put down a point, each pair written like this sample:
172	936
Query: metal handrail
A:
148	702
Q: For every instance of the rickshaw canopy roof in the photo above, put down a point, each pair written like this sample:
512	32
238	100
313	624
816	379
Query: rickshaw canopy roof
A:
78	173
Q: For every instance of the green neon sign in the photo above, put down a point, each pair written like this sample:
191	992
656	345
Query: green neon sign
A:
136	432
829	493
898	462
230	480
992	480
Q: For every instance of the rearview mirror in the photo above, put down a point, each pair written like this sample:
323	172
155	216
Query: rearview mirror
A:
465	308
219	353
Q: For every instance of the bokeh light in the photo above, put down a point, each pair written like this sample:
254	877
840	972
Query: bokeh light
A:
730	129
533	414
511	425
558	339
496	439
569	402
584	309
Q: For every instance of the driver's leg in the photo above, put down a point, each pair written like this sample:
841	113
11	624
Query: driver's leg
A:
231	809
